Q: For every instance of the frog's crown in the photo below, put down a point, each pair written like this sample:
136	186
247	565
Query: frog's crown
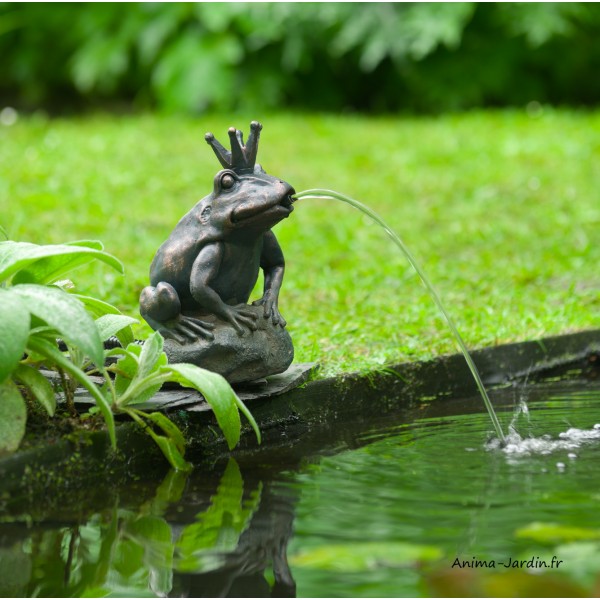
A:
242	157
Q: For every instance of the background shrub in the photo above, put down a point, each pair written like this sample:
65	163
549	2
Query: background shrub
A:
368	56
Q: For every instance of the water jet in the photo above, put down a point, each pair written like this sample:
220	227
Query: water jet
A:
323	194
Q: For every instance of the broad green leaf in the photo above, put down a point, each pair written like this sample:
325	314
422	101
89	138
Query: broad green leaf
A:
171	453
52	268
244	410
13	415
171	430
144	392
132	350
151	352
217	392
125	368
97	307
551	533
15	321
39	386
17	256
130	387
66	314
166	445
95	244
365	556
119	325
47	349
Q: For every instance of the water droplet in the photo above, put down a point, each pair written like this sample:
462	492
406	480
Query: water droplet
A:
560	466
572	455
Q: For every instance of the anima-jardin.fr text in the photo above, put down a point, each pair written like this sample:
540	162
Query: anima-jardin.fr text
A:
535	562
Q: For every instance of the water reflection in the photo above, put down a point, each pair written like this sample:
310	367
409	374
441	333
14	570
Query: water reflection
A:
227	549
167	547
371	507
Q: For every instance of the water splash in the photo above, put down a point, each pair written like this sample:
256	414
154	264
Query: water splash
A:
570	440
321	194
521	411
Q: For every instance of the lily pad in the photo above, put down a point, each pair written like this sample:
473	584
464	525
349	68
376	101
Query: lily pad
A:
552	533
365	556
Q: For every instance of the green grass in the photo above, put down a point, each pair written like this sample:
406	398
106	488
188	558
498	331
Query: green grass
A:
501	208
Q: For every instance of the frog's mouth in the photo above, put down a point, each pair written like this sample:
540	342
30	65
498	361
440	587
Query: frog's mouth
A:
288	201
274	211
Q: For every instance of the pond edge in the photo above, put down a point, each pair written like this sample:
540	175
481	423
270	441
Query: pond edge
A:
84	456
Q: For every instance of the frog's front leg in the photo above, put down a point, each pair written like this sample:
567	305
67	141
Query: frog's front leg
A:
273	265
161	308
205	268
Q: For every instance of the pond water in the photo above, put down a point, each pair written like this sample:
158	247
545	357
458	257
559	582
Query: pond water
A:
371	508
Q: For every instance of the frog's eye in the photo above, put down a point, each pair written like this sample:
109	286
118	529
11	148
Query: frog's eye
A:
227	181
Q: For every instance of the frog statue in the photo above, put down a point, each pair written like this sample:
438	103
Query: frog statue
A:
202	276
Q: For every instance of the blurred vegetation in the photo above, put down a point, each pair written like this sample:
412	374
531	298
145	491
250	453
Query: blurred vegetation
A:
326	56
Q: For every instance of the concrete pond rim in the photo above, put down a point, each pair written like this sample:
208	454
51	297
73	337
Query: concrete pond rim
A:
291	408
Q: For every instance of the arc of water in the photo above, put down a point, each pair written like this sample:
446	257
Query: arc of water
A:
323	194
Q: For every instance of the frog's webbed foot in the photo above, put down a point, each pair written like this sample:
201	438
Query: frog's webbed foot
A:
184	329
161	308
241	317
271	310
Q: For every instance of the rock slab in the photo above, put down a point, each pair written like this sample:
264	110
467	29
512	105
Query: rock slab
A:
253	355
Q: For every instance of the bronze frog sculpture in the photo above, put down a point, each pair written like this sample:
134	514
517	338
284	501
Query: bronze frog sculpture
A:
202	276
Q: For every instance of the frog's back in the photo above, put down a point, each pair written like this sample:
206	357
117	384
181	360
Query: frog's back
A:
174	259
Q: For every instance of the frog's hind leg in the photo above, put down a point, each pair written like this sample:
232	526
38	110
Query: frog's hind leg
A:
161	308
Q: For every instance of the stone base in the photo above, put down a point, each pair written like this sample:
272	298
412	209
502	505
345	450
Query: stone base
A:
253	355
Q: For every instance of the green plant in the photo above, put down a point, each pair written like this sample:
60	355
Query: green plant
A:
369	56
34	313
140	373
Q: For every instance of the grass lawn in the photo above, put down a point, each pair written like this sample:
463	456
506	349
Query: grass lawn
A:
501	208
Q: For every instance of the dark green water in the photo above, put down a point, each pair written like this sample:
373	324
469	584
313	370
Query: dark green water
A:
377	508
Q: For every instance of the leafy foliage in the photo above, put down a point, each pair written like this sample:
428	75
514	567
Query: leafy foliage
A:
33	314
141	372
32	317
374	56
